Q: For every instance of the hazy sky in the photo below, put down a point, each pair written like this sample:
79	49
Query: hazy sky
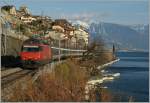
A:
114	11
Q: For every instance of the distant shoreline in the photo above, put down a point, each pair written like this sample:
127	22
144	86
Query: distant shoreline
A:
132	51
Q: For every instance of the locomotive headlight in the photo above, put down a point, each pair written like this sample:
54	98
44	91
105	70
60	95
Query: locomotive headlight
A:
38	57
24	58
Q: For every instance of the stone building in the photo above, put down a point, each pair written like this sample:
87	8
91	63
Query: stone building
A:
27	18
10	9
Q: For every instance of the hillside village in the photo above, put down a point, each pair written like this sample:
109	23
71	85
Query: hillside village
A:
23	22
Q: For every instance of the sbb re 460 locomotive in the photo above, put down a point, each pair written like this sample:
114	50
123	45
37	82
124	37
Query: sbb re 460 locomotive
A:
35	53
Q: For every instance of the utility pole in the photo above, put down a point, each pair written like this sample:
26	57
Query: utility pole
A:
1	28
7	26
5	43
59	50
59	45
4	28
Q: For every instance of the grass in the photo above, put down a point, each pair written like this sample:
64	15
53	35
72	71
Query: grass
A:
105	96
66	83
92	63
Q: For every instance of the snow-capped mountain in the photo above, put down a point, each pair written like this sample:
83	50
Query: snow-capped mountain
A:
81	23
124	36
141	28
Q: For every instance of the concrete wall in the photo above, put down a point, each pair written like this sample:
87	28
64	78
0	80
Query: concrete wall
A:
13	46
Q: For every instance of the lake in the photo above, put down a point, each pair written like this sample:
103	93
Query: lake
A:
134	76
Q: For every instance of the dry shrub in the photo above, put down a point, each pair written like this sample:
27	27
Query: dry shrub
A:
66	83
73	78
100	59
105	96
92	96
97	53
105	57
131	99
19	91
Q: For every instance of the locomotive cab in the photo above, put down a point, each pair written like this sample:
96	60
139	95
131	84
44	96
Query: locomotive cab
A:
29	48
35	55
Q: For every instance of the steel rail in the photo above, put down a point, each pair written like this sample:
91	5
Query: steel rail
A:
8	80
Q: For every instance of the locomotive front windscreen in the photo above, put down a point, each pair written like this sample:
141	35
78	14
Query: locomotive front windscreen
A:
31	48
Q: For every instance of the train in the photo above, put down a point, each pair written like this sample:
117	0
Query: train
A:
35	53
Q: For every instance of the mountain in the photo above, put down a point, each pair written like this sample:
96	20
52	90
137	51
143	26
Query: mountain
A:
130	37
141	28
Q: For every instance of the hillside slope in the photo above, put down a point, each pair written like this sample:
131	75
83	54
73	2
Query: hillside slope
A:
121	35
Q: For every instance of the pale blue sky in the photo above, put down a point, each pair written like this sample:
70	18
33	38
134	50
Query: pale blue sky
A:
114	11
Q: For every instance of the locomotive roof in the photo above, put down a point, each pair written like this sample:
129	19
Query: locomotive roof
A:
34	41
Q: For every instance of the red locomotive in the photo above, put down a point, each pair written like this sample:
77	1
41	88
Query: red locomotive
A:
35	53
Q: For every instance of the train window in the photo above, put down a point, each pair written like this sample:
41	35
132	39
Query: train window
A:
32	48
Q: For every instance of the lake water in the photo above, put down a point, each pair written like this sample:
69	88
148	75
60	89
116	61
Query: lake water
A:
134	76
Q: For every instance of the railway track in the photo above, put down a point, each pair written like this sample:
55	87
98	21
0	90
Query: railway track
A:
9	79
11	75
